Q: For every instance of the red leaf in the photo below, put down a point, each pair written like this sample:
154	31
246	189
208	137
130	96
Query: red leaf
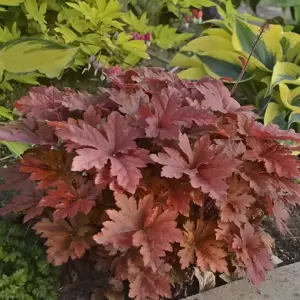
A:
14	179
141	225
205	165
76	101
277	159
129	102
250	127
47	167
147	284
70	199
26	203
180	200
114	144
170	115
200	242
23	131
252	254
264	184
65	240
216	96
281	214
43	103
233	208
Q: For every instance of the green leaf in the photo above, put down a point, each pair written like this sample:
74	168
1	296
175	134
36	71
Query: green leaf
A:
288	28
217	32
11	2
293	118
217	66
6	113
135	47
36	12
7	35
166	37
208	43
15	147
29	78
274	114
193	73
290	98
264	56
136	24
285	72
30	55
68	35
293	54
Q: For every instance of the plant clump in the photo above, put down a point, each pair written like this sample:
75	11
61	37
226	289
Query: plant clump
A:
154	173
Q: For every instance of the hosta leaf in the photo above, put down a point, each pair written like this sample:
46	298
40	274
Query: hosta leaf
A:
274	114
193	73
293	54
218	32
15	147
218	23
264	55
290	98
186	61
29	55
208	43
223	64
291	37
294	118
285	72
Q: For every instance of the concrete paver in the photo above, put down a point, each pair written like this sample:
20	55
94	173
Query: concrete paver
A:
282	284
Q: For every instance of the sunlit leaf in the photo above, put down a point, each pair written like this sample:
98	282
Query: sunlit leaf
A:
29	55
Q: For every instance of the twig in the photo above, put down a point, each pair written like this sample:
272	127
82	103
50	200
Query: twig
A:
262	30
7	157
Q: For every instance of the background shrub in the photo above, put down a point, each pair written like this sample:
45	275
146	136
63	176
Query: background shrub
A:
25	273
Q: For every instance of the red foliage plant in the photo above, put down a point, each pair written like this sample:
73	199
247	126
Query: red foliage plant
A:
157	172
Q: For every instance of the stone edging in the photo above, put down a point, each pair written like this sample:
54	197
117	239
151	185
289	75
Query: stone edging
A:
282	284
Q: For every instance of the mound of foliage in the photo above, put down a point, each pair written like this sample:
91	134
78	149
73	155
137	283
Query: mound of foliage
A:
152	175
25	273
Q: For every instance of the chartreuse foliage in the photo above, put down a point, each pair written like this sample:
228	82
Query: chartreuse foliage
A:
155	175
42	38
274	67
25	273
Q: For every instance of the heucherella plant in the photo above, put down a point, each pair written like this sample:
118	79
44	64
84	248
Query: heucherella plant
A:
151	176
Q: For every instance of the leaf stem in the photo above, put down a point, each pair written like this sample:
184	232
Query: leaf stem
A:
262	30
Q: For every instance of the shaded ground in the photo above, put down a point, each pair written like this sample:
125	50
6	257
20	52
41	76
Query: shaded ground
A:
287	248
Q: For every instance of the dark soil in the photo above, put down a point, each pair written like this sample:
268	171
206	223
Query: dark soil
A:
287	247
